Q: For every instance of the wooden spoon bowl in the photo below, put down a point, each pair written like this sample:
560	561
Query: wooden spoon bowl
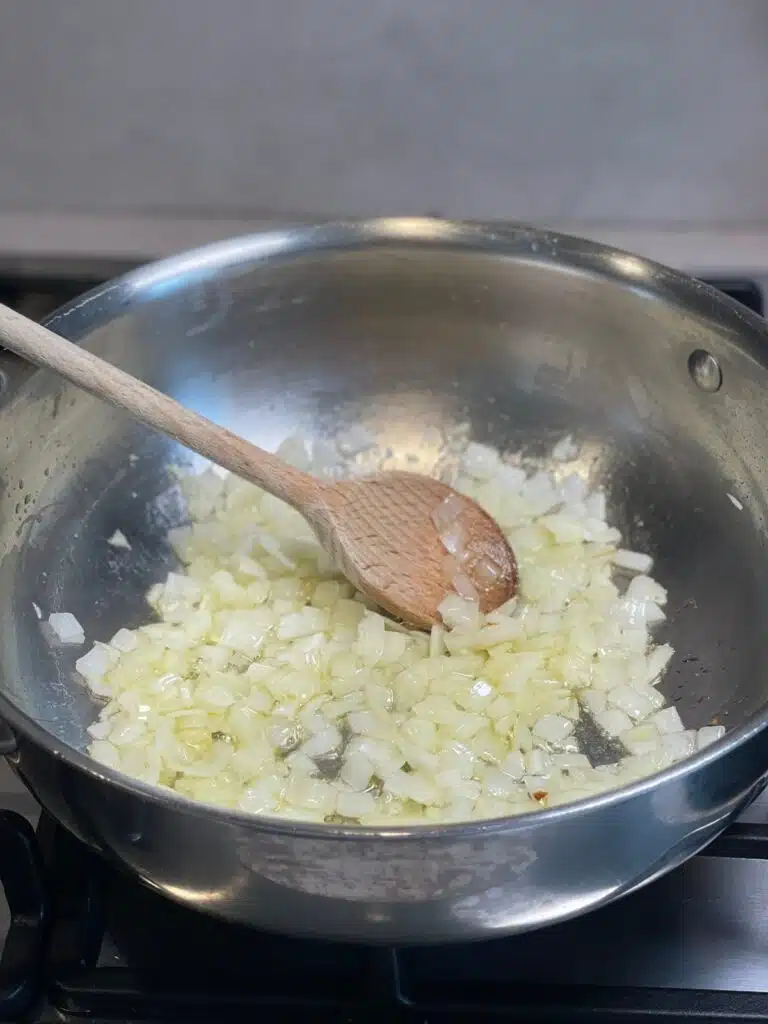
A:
382	533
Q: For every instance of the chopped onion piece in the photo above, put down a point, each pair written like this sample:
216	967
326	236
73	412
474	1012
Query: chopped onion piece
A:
614	721
631	701
634	561
553	728
411	786
459	613
709	734
356	771
668	720
125	640
564	528
643	588
436	641
66	628
105	752
119	540
453	539
678	745
322	742
480	461
537	762
355	805
463	586
447	514
657	661
513	765
94	665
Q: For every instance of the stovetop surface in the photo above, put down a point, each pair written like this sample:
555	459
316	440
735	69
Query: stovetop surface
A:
692	946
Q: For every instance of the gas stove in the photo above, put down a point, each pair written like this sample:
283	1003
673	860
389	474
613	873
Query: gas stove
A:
86	941
83	940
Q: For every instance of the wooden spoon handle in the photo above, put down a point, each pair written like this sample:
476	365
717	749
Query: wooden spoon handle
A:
44	348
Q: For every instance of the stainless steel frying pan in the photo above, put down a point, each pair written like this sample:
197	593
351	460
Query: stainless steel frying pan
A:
401	325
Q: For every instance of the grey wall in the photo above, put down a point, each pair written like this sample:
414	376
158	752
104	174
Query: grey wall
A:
649	110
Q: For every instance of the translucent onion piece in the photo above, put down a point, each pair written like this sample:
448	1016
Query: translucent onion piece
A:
66	628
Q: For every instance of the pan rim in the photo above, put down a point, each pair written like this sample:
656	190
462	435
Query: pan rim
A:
76	319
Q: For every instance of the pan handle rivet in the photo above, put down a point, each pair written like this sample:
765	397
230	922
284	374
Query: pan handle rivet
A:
705	370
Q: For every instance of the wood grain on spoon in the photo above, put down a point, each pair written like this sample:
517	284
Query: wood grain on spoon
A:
379	530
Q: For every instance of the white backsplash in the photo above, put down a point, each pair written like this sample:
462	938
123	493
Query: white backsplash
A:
644	111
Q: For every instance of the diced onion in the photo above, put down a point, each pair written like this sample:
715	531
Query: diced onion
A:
553	728
626	698
66	628
634	561
677	745
124	640
668	720
463	586
119	540
268	686
447	514
709	734
480	462
614	721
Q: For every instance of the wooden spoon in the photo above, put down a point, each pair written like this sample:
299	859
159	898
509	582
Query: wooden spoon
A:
379	529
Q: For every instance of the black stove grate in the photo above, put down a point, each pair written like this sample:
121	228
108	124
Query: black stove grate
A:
101	946
747	292
22	880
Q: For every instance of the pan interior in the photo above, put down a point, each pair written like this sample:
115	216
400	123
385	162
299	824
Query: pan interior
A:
411	342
